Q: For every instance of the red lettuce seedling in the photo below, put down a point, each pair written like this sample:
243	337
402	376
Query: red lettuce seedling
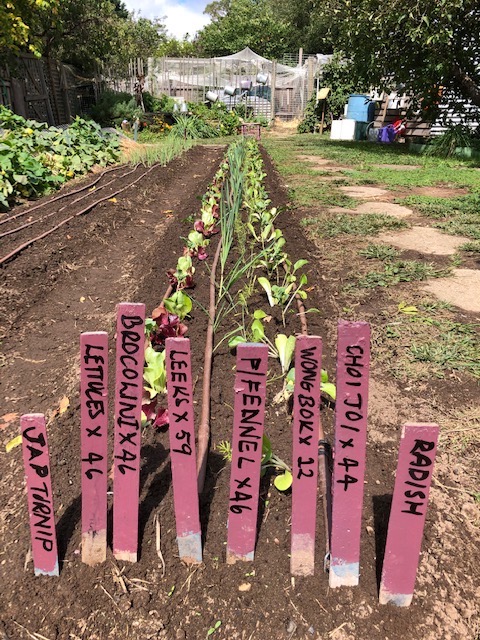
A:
167	325
182	276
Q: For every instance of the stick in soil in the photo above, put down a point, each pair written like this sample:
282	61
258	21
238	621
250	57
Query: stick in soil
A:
158	542
204	427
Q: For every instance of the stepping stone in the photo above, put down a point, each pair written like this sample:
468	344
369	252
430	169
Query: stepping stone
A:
439	192
461	290
398	167
323	163
364	192
315	159
425	240
385	208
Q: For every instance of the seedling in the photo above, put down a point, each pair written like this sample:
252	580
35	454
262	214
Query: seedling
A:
216	626
179	304
326	387
410	310
182	276
225	448
283	481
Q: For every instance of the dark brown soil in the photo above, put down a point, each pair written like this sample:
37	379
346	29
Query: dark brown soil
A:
70	282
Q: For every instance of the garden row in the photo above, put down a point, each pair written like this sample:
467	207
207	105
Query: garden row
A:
250	257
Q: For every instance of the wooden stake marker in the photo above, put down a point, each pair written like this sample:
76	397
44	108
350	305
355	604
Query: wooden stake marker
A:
353	367
36	461
94	426
416	457
306	422
182	449
128	410
248	420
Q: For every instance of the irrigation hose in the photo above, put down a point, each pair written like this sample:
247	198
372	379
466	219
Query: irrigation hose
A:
302	314
49	215
204	427
60	197
26	244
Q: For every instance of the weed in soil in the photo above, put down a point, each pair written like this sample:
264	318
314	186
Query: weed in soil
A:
429	343
401	271
310	193
471	247
362	225
435	207
379	251
462	225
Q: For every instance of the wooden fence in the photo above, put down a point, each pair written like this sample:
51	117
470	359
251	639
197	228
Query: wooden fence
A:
45	90
345	501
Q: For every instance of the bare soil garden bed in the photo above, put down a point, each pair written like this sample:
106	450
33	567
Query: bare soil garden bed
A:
70	282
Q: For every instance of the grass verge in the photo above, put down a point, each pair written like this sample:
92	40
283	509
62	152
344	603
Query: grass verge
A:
328	226
429	342
401	271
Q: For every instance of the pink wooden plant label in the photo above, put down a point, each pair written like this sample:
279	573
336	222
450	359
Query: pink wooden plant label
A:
353	367
248	420
128	411
36	461
416	457
182	449
94	426
306	422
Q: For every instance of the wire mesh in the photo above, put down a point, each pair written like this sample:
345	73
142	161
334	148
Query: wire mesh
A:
282	92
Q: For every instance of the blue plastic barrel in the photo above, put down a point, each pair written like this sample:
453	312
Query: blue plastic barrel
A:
360	108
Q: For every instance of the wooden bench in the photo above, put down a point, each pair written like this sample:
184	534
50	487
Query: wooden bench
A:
415	126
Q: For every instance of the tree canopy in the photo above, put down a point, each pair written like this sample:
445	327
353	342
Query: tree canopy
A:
81	32
237	24
418	44
16	21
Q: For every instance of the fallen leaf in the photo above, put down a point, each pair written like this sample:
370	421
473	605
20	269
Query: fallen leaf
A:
168	211
82	299
7	419
69	237
64	404
13	443
112	200
408	309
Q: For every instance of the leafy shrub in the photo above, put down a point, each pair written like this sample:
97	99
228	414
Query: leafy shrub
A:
113	107
163	104
37	158
337	75
311	116
445	145
218	117
191	127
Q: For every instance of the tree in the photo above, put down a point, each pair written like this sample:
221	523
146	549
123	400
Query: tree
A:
138	37
311	27
81	32
18	24
237	24
120	9
174	48
417	45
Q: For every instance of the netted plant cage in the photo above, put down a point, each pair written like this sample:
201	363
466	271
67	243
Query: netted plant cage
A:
265	87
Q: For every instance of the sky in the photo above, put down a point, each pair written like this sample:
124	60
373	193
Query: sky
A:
181	16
